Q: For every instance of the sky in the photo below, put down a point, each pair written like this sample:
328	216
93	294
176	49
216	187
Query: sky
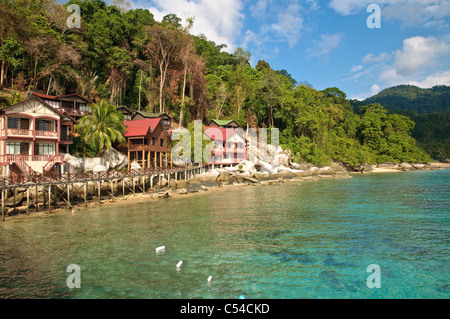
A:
329	43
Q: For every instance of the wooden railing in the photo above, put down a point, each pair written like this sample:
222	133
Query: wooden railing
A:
52	161
16	132
46	134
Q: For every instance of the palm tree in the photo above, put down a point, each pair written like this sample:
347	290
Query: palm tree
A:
103	127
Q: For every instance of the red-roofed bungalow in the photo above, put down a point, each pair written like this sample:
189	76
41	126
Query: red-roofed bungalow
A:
147	143
230	145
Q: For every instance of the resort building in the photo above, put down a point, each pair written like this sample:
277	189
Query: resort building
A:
224	124
73	105
230	145
166	118
127	113
33	136
147	143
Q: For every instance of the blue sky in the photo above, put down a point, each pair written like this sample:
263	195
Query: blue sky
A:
328	43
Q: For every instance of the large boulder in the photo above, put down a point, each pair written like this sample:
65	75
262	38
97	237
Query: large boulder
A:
264	167
116	159
90	163
72	165
99	169
135	166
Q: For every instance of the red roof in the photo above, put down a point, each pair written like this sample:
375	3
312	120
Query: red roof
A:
219	133
140	127
45	96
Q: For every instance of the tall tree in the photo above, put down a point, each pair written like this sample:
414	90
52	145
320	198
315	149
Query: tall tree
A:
103	127
162	49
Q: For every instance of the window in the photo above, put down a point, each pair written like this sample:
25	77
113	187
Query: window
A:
161	142
44	125
153	141
12	147
13	122
83	108
46	149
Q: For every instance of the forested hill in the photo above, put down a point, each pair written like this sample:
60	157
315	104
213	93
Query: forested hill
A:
126	57
414	99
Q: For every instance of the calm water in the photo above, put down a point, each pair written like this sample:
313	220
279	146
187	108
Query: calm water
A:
308	240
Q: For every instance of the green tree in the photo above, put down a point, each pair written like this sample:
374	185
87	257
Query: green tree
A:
103	127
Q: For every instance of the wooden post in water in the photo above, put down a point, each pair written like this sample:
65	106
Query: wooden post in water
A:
28	200
123	187
99	191
14	205
68	194
36	202
3	204
50	198
85	192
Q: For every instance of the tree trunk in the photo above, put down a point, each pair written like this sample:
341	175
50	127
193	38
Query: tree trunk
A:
182	96
2	74
140	83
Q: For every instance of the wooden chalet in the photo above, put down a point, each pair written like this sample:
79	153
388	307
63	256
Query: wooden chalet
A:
224	124
166	118
147	143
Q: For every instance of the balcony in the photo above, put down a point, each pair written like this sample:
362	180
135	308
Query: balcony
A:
11	158
46	134
13	132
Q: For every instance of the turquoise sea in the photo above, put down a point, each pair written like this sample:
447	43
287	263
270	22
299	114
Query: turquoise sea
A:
313	239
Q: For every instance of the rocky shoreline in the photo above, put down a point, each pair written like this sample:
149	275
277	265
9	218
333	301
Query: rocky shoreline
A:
243	174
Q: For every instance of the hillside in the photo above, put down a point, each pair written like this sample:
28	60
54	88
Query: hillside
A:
428	108
414	99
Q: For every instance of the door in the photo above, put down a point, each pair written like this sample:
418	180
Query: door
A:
24	124
24	147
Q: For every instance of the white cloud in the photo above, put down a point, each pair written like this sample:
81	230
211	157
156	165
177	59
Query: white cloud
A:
218	22
288	26
374	89
438	78
325	45
419	53
369	58
409	12
356	68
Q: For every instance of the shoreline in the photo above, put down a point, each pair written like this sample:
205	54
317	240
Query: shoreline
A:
198	186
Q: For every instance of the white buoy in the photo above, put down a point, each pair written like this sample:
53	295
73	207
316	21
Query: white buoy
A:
209	278
160	249
179	264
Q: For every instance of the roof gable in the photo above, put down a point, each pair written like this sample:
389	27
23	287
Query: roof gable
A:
140	127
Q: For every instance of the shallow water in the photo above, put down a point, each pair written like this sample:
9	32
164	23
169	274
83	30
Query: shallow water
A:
313	239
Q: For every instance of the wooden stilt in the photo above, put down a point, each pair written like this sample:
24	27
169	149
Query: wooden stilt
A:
36	202
3	204
99	183
14	204
28	200
68	194
123	187
50	198
85	193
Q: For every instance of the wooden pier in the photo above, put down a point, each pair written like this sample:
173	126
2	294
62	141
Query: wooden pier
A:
48	192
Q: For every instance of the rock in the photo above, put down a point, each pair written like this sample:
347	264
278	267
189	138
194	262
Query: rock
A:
72	165
224	177
164	182
181	191
99	169
135	166
264	167
172	184
163	195
418	166
116	159
90	163
181	184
